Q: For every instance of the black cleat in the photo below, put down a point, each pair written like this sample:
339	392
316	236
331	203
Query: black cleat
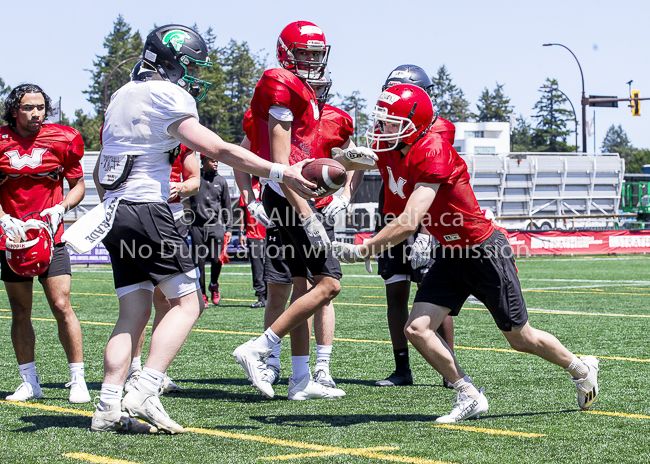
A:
259	304
447	384
396	379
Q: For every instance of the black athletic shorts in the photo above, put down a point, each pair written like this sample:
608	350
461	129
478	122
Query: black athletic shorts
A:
144	244
486	271
60	265
301	258
276	269
395	260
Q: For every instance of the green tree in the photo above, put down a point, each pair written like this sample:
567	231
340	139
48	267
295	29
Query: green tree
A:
522	136
494	106
233	77
89	127
551	131
362	121
617	141
120	44
4	91
449	99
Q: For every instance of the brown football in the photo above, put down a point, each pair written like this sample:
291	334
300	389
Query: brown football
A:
327	174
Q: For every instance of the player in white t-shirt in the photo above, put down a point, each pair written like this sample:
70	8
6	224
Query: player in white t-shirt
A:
144	125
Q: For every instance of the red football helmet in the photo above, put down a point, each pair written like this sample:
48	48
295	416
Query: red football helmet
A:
406	105
33	257
303	35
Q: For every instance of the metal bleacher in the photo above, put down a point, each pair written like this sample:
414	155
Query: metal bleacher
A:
533	184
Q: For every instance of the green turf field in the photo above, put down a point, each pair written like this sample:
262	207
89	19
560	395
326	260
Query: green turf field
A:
596	306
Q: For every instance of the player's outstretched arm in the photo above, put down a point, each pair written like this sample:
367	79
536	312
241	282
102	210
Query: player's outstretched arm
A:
199	138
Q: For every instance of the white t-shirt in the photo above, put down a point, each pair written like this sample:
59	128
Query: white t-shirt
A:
136	123
281	114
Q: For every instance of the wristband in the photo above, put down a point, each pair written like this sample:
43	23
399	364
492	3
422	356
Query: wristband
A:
277	172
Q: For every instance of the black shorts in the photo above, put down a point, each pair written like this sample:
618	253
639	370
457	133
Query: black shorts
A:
181	225
60	265
301	258
486	271
144	244
395	261
276	269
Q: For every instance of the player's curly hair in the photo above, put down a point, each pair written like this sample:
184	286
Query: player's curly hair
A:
12	102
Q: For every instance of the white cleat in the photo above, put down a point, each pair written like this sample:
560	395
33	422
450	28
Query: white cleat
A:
324	378
271	375
253	360
465	408
26	391
307	389
588	387
169	386
148	407
78	392
111	418
132	379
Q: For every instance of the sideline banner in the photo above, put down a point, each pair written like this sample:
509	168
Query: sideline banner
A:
570	242
554	242
97	255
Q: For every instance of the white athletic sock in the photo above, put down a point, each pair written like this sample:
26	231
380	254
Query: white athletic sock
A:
111	394
268	340
466	386
323	354
28	372
150	381
577	368
300	366
77	372
274	357
136	364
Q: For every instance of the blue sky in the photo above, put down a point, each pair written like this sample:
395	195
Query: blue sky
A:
52	43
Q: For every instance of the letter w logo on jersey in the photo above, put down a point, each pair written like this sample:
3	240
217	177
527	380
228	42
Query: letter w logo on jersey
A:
32	160
396	187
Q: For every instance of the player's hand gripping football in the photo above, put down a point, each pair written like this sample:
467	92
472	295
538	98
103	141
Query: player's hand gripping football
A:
13	228
338	203
257	211
56	214
361	155
348	253
421	251
294	179
316	233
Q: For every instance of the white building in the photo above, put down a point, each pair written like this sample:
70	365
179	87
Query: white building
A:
482	138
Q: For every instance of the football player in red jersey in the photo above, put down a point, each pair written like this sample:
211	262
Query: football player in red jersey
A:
335	130
409	260
285	129
34	160
425	171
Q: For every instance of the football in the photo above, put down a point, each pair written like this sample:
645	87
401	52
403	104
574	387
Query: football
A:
327	174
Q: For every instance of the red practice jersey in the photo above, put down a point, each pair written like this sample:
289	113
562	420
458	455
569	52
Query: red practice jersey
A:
446	129
283	88
177	170
253	228
454	218
25	163
335	129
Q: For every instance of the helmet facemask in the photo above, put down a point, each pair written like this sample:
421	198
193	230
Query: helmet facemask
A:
375	135
196	87
303	68
321	88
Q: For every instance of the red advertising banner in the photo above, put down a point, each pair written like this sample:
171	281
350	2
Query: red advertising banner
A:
554	242
570	242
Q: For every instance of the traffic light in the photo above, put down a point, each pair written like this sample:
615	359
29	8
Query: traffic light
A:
636	104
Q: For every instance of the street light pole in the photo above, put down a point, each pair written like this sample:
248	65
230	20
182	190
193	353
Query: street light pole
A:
584	100
108	78
575	118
